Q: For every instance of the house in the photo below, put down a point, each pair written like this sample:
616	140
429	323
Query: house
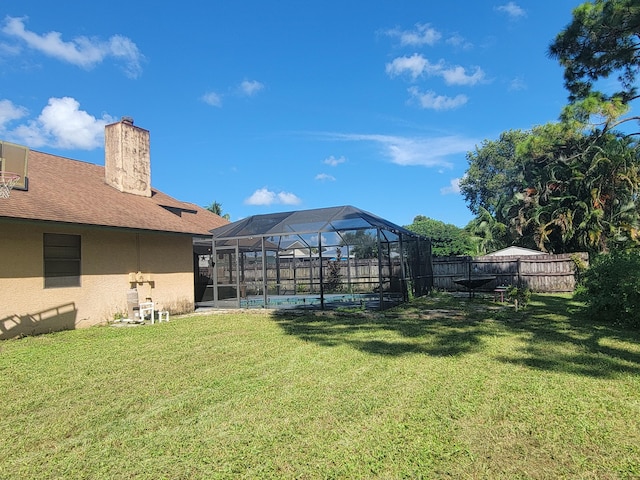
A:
78	239
300	251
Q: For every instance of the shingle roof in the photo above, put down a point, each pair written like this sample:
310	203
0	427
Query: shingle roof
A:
71	191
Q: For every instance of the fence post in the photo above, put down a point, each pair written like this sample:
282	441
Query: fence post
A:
518	266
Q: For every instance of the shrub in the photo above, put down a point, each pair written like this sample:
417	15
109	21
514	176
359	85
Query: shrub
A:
610	287
333	282
579	266
519	296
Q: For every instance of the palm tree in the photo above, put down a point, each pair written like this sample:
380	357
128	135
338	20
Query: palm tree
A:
486	232
216	207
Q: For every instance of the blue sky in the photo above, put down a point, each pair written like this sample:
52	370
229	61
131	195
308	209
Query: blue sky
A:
287	105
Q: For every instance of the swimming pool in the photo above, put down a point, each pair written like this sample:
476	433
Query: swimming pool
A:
313	301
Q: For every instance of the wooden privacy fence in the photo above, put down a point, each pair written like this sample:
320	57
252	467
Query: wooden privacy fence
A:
539	273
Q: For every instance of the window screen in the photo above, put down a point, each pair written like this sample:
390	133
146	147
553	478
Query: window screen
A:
61	260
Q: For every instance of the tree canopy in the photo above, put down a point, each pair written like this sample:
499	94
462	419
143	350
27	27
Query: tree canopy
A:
486	233
571	185
560	190
364	244
216	207
446	239
602	40
493	169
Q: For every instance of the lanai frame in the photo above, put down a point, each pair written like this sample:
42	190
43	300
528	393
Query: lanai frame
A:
253	256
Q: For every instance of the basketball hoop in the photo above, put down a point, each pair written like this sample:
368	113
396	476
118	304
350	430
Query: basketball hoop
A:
7	182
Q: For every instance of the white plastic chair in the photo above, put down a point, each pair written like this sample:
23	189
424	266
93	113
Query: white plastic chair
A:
147	308
163	316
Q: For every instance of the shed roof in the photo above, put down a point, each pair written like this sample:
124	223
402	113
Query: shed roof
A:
75	192
514	251
328	219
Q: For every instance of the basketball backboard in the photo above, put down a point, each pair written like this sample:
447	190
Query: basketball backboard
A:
14	158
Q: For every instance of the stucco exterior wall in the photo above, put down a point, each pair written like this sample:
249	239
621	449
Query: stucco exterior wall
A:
108	257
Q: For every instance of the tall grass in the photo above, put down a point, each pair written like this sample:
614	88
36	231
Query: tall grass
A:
443	387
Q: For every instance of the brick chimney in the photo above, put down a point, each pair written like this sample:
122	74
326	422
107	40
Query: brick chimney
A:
127	159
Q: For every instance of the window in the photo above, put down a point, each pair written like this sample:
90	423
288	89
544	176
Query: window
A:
61	260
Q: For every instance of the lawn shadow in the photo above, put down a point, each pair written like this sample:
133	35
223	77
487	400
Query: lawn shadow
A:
562	337
553	333
436	332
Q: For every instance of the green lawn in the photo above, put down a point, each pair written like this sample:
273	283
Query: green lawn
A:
441	388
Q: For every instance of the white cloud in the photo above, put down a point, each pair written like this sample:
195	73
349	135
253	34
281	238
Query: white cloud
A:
517	84
261	197
313	240
454	187
406	151
213	99
431	101
7	50
323	177
458	41
458	76
62	124
333	161
416	65
423	34
264	196
247	88
10	112
71	127
250	88
512	9
123	48
29	134
287	198
82	51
